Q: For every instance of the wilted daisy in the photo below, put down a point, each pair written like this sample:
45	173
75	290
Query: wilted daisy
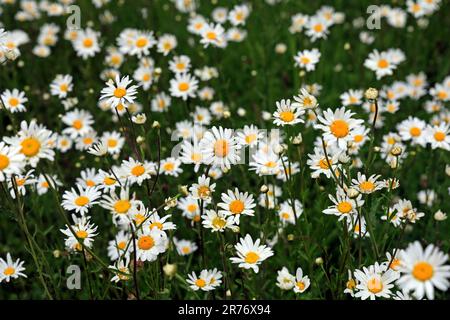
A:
123	272
423	270
82	200
285	280
10	269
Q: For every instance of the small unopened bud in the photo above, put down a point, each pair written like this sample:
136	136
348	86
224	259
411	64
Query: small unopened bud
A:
278	149
347	46
184	190
447	170
12	54
396	151
290	237
264	189
241	112
280	48
319	261
140	139
56	253
140	118
343	158
352	193
371	94
297	139
228	293
376	149
156	125
266	115
440	216
170	270
226	114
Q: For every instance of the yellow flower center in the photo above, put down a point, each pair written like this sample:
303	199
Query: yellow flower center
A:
323	164
204	192
180	66
221	148
191	208
415	132
300	285
77	124
121	245
141	42
383	63
250	138
146	243
30	147
120	92
366	186
13	102
271	164
9	271
4	162
44	184
358	138
423	271
156	224
318	27
251	257
200	283
183	86
285	215
88	42
287	116
186	250
351	284
109	181
88	141
196	157
169	166
112	143
81	201
442	95
63	87
344	207
82	234
122	206
305	60
211	35
236	206
90	183
339	128
375	285
219	222
138	170
439	136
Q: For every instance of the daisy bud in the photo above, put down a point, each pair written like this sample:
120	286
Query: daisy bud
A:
56	253
45	96
376	149
12	54
226	114
302	73
393	163
396	151
140	118
157	71
235	229
280	48
278	149
228	293
343	158
319	261
264	188
77	165
352	193
140	139
9	127
170	270
266	115
170	203
422	23
184	190
371	94
116	156
254	73
447	170
241	112
440	216
347	46
156	125
297	139
290	237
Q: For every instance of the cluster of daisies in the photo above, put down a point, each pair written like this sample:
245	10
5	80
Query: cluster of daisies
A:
143	230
